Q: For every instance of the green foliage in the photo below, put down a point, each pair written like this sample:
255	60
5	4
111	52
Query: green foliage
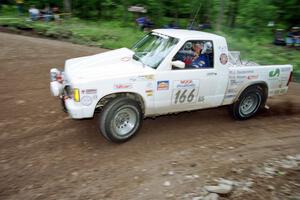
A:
244	23
259	49
251	14
287	11
255	14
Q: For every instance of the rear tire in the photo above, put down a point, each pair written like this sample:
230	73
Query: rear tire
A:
248	103
120	119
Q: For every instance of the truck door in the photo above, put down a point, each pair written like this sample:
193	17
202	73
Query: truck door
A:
201	84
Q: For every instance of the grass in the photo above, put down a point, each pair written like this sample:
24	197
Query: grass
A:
105	34
114	34
259	48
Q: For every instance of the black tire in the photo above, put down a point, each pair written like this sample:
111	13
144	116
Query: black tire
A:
120	114
242	110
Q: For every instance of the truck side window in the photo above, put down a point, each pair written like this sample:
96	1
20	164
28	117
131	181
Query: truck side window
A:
196	54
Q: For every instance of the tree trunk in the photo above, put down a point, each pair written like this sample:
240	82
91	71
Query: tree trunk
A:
233	13
99	8
125	12
220	15
67	6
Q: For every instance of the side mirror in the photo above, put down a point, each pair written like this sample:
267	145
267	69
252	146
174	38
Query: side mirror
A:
179	64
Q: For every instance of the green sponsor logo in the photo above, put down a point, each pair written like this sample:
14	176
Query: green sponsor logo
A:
274	73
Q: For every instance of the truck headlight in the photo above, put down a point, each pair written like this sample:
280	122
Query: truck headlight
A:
76	94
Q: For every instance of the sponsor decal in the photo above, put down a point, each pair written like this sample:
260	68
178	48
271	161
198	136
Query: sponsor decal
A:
211	73
142	78
185	92
125	59
201	99
236	82
241	77
133	79
184	96
149	93
274	73
148	77
185	84
245	72
252	77
89	91
223	59
223	48
122	86
162	85
86	100
285	69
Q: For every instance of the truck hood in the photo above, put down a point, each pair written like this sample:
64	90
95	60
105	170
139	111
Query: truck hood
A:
115	63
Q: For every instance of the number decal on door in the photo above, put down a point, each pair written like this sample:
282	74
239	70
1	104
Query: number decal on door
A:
184	96
185	91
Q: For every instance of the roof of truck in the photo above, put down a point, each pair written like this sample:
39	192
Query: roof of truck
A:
183	33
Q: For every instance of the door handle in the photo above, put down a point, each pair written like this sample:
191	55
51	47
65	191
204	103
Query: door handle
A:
212	74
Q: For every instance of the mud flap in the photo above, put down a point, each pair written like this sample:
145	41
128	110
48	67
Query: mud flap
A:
63	104
267	107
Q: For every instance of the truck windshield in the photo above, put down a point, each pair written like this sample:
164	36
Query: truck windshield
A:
153	48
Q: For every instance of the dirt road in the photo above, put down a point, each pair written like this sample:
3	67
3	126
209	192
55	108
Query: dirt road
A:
46	155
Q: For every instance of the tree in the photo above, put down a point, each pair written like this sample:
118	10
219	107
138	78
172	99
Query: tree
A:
255	14
233	8
67	6
220	15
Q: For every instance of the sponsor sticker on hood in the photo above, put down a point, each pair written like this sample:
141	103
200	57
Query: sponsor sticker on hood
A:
123	86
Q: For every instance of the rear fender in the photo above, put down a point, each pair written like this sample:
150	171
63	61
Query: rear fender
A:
263	84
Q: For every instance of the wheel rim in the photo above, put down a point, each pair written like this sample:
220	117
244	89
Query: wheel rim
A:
249	104
124	121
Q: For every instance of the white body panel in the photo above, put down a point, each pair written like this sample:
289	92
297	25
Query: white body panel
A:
208	85
164	90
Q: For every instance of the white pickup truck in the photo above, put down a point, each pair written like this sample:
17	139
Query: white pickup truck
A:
167	71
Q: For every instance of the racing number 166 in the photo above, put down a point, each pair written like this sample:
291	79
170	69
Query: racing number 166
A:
185	96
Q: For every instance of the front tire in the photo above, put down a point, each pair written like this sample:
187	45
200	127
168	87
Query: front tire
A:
120	119
248	103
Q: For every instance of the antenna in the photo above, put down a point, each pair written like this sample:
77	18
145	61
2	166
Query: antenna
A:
192	24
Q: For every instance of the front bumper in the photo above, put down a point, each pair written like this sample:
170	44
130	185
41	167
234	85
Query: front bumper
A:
56	88
75	109
56	84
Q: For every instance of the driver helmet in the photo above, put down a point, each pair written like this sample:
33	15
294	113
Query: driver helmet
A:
206	48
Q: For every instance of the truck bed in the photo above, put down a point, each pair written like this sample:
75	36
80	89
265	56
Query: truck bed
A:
243	74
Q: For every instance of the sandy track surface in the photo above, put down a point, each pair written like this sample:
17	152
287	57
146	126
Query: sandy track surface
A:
46	155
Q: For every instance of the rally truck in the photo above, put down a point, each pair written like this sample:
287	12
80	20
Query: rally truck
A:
167	71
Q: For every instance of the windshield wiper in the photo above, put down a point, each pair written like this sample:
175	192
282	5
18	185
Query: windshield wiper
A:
135	57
